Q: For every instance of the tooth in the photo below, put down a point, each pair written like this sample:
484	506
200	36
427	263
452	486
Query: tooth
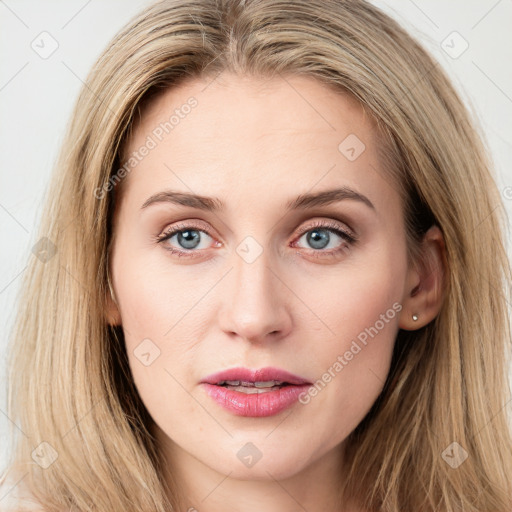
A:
252	390
266	384
232	382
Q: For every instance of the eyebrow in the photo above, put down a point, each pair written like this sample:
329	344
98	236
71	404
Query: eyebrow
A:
302	202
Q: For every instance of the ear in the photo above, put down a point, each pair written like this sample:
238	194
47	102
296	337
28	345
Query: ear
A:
423	294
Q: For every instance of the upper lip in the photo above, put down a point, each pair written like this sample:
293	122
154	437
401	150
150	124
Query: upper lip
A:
262	375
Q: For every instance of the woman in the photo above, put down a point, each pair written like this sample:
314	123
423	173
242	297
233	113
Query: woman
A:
272	276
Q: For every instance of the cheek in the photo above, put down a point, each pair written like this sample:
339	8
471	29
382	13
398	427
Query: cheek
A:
155	295
156	308
361	307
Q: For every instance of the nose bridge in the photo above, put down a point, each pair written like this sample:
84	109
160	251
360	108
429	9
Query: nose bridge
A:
254	306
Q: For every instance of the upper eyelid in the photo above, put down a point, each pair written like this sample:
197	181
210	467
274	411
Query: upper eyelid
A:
329	224
183	225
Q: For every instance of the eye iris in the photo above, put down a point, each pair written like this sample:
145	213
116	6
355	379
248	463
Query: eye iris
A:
189	239
317	237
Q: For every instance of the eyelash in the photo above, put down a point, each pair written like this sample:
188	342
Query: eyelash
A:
348	236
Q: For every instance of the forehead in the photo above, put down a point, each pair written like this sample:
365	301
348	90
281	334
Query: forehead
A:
253	134
298	104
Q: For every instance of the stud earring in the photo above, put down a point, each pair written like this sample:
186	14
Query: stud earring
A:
415	317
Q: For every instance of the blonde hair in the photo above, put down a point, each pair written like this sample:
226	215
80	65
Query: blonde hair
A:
70	383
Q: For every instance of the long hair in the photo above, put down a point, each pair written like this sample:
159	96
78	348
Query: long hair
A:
70	386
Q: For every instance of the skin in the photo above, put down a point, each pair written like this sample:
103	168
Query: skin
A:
256	144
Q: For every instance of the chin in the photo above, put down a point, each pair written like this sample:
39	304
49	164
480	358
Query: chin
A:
257	458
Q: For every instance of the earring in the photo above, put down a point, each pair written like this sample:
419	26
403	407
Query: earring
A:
415	317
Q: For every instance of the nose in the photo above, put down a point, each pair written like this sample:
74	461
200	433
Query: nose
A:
255	305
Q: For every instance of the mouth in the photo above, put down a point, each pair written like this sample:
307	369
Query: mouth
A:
255	393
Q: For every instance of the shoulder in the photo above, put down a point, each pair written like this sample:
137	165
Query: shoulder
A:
14	495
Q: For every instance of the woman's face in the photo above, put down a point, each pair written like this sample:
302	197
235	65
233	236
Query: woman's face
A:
268	267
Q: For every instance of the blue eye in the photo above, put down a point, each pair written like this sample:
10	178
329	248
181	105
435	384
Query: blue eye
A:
321	241
319	238
189	238
323	238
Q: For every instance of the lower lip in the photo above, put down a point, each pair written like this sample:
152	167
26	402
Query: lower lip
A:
255	405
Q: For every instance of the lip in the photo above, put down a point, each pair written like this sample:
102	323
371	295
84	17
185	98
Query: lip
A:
255	405
263	374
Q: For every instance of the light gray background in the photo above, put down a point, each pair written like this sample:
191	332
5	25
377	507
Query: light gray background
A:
37	95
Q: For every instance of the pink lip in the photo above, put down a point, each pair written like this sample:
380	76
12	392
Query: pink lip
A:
263	374
255	405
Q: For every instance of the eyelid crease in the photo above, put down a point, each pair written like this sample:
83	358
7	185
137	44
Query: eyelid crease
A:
331	224
326	224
